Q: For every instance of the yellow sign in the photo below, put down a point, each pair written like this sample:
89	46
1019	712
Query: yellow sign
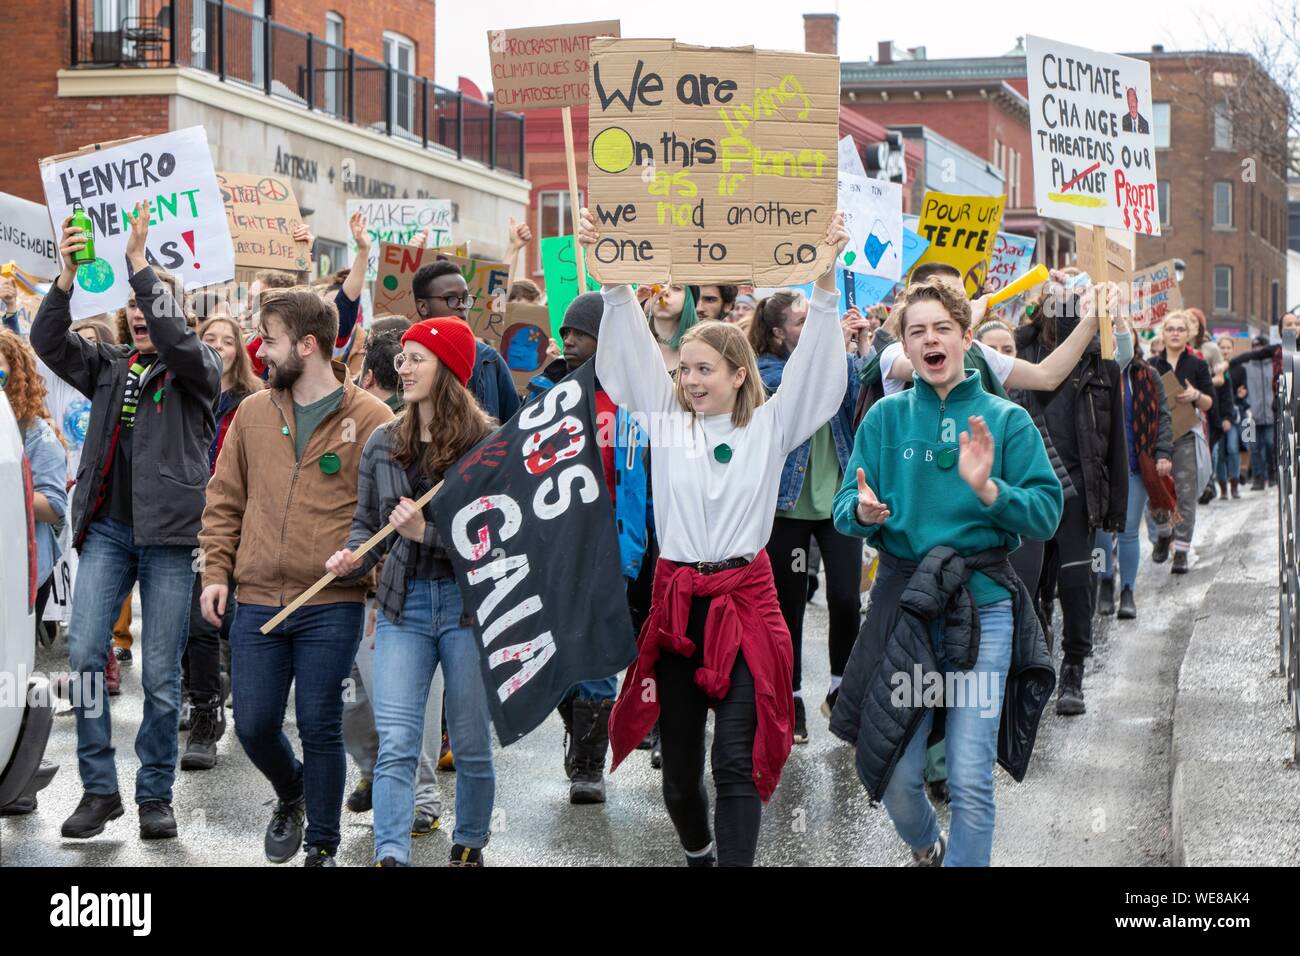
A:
962	232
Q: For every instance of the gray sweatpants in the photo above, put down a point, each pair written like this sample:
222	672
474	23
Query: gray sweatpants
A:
1185	482
361	739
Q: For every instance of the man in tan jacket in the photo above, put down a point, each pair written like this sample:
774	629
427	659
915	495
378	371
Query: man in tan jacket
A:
278	505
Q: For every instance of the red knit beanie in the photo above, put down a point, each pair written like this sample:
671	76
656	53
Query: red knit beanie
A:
449	339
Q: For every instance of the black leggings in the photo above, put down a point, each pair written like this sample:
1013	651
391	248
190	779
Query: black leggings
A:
1067	574
201	662
682	715
842	558
42	597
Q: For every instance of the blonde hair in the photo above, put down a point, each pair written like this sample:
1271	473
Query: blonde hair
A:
729	341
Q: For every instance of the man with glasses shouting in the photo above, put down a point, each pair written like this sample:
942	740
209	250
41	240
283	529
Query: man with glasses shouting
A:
441	292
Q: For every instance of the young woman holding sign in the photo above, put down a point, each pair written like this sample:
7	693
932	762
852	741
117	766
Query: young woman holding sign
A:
421	622
715	637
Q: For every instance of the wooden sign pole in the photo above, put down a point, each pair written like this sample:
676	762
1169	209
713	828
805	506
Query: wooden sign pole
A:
315	589
1103	267
573	197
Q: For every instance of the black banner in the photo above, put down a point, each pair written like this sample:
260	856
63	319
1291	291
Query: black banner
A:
530	531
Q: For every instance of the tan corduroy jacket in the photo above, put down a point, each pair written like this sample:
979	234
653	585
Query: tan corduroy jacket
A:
271	522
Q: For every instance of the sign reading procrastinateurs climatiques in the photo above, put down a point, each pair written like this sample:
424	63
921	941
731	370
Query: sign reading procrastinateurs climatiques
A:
1091	123
544	67
711	165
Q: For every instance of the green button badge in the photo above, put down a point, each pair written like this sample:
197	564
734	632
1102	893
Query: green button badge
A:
947	458
329	463
722	454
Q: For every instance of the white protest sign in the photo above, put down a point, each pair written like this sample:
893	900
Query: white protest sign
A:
873	215
1094	153
851	159
26	237
397	220
188	233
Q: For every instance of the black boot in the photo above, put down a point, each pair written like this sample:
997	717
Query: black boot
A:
157	820
590	742
92	813
207	725
1180	563
1127	608
1257	483
1106	597
1207	495
1069	691
1160	550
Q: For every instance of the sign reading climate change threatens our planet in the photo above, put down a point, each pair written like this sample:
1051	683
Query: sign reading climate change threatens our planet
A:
543	67
188	235
1091	128
711	165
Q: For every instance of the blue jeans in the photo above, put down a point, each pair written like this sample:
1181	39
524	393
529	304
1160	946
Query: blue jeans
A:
1227	455
312	651
1130	548
406	655
972	743
110	565
1263	454
606	689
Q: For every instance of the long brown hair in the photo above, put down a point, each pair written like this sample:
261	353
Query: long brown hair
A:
729	342
241	373
461	425
770	314
25	388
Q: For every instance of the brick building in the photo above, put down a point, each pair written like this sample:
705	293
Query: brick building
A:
335	94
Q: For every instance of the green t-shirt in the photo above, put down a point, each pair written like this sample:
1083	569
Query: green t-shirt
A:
307	417
820	482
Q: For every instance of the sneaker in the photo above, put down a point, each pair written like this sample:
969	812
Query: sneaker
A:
1207	495
93	812
207	725
1180	563
933	856
800	722
1127	607
361	800
1069	691
465	856
123	655
828	705
390	861
706	857
1160	550
157	820
446	762
424	823
318	856
1106	597
284	832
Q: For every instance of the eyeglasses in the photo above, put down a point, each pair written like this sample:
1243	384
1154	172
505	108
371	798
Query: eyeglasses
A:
453	301
401	360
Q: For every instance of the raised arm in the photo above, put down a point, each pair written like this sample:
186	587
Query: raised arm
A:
67	354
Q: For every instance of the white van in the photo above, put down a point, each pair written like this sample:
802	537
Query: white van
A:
26	703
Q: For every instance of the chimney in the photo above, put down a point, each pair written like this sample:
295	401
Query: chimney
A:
821	33
885	52
1157	48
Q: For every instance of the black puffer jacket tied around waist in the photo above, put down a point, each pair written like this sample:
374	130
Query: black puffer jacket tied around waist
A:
895	637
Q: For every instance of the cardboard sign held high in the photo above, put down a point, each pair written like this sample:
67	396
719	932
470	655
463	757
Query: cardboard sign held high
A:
962	232
263	213
399	264
544	67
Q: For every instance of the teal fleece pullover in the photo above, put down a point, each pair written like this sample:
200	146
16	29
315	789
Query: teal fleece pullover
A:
908	448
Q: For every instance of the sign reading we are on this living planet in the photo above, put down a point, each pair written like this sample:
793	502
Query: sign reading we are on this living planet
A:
711	165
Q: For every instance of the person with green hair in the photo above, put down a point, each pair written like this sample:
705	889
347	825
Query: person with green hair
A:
671	313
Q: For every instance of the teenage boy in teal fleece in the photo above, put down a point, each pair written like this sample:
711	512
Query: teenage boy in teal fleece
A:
947	464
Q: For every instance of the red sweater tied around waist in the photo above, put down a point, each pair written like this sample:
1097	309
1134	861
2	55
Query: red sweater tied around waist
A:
744	617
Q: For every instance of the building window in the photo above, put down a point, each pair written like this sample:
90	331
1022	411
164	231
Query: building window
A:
1161	124
1223	205
554	216
258	40
1015	179
1223	289
1162	197
1222	126
399	56
335	62
997	155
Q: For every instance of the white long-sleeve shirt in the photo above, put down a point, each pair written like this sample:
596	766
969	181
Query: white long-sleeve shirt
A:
706	510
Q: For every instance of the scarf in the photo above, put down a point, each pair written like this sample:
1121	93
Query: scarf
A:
1162	496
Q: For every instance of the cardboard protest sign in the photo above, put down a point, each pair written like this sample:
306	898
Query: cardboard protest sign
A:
544	67
1154	293
711	165
188	233
850	158
962	231
561	275
1013	256
1090	117
397	221
521	338
873	215
263	213
486	282
26	237
1121	253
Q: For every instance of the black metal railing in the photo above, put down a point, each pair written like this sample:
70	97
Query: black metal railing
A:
1288	461
298	67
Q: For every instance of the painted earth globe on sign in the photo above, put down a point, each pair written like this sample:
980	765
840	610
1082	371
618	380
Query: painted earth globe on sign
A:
95	276
524	347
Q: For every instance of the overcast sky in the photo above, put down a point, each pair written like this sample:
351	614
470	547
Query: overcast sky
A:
947	28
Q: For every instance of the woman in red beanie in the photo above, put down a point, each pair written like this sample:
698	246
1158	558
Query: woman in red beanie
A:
715	637
421	623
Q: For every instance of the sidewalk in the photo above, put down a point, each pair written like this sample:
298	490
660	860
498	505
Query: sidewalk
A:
1235	789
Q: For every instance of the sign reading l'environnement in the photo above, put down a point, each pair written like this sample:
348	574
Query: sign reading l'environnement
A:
711	165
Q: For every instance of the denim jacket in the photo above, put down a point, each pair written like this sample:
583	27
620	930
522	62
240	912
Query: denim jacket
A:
49	464
492	383
770	369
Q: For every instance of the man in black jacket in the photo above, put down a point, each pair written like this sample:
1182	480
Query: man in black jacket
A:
1085	419
135	516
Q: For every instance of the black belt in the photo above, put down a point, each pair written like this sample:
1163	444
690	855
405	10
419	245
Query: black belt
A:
713	567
